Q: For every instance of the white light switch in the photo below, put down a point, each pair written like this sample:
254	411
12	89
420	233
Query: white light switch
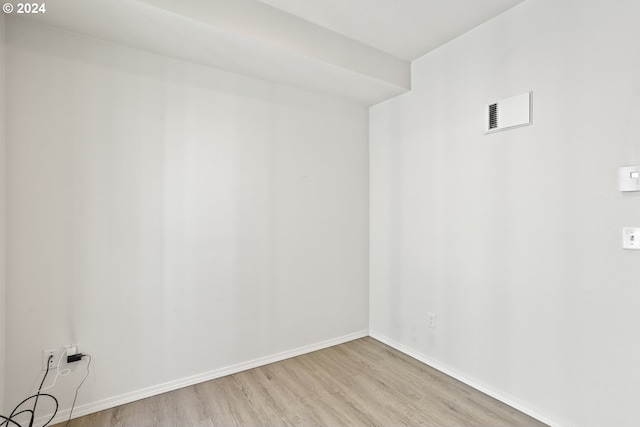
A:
631	238
629	177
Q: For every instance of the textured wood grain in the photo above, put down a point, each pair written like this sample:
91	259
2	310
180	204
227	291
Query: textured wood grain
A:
360	383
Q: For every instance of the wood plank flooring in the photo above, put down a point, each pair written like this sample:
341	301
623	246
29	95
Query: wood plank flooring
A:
360	383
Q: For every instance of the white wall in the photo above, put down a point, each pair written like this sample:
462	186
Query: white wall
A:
172	219
514	239
3	211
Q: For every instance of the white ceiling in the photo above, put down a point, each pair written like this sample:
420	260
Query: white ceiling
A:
404	28
355	49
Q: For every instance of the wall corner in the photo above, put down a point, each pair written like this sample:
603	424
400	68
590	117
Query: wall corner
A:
3	216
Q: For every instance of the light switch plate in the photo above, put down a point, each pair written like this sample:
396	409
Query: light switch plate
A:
631	238
629	178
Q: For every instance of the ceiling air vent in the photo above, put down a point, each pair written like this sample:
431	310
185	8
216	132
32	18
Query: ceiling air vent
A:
509	113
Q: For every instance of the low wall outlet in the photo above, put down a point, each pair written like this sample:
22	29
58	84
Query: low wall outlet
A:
50	357
431	320
72	349
631	238
73	353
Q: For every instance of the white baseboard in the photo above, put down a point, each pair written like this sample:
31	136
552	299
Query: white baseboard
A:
93	407
122	399
496	394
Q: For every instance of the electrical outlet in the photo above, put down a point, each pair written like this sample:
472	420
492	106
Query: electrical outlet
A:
50	357
431	320
72	352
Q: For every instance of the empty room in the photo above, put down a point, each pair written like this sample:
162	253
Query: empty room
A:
320	213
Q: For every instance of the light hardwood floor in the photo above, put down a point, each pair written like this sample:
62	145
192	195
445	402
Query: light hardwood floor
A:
360	383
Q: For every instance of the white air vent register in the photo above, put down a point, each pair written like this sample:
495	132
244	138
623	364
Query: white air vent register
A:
509	113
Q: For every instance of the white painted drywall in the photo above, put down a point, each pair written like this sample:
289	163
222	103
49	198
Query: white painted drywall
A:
3	211
172	219
514	239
